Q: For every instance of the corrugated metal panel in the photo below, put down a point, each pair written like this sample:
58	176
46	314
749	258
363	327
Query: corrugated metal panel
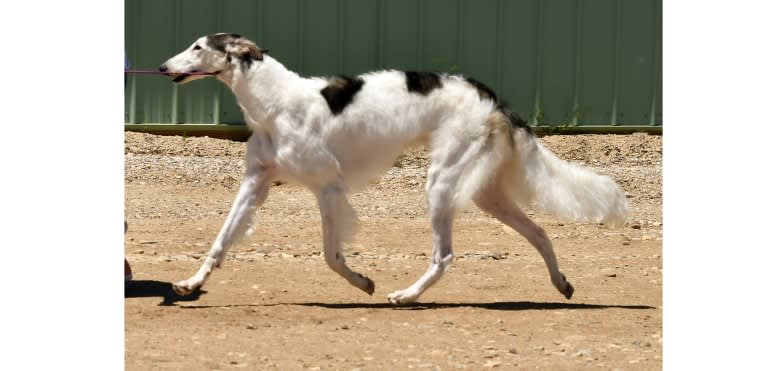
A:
557	62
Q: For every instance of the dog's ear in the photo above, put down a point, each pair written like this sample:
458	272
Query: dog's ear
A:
256	52
245	49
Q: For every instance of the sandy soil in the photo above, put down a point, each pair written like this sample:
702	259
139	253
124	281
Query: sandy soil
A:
276	305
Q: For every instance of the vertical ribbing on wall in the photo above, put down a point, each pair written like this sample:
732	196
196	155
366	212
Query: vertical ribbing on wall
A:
657	63
259	18
577	63
342	16
617	55
499	44
301	34
132	92
419	34
539	66
217	88
460	30
176	46
380	29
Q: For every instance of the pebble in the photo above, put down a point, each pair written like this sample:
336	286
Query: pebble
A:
492	364
609	272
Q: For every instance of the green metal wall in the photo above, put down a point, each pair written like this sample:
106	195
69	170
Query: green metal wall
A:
590	64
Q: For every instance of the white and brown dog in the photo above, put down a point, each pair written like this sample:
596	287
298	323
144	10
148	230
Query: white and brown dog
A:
335	134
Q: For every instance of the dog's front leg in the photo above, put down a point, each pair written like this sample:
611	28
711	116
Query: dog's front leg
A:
338	220
252	193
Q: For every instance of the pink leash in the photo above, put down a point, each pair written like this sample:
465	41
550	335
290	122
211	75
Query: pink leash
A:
156	72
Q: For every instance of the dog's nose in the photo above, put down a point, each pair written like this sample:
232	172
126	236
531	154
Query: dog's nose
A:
163	68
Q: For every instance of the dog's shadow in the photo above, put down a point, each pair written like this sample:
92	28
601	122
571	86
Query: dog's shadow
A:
502	306
164	290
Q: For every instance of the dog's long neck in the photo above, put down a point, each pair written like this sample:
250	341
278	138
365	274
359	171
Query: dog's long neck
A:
261	89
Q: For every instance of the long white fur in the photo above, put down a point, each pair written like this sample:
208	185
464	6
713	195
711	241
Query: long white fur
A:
476	155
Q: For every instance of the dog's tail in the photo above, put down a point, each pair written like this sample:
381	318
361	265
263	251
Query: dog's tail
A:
543	181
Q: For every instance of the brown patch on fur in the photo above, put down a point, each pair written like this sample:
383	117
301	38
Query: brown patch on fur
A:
237	46
498	124
497	120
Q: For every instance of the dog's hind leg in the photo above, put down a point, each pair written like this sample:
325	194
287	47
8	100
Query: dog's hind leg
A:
252	193
337	223
495	202
447	167
441	224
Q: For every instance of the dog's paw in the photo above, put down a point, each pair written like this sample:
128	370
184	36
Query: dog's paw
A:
184	288
401	297
363	283
370	287
567	290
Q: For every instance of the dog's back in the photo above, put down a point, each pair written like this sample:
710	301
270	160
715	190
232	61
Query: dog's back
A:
368	120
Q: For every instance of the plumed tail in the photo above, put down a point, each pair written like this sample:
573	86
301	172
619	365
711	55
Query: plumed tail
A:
543	181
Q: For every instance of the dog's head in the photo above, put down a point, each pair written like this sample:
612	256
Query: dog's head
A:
212	55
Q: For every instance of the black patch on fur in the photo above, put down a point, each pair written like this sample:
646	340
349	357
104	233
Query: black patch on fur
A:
247	60
484	91
516	121
340	91
422	82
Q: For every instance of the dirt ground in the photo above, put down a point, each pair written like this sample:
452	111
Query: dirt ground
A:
276	305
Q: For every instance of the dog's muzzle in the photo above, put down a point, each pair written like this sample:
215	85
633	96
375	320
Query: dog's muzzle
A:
181	76
177	77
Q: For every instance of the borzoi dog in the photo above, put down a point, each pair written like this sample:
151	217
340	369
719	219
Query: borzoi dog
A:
335	134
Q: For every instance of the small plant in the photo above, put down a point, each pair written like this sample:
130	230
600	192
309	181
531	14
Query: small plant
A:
553	129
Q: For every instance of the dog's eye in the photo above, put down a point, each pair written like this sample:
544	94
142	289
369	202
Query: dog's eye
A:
197	47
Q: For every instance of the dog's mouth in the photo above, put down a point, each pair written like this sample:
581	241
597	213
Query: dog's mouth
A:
178	77
181	77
